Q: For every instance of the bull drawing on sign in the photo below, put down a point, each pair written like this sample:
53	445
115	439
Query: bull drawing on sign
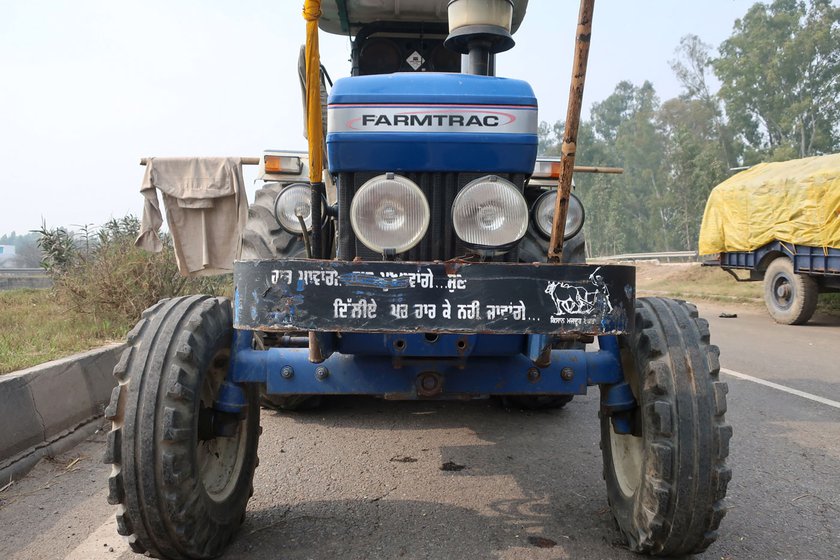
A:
578	300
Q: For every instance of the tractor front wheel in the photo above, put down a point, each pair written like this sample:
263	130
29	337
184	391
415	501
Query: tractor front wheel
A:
666	483
181	471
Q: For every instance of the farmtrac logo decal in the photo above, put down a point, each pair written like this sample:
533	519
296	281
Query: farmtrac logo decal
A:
514	119
434	119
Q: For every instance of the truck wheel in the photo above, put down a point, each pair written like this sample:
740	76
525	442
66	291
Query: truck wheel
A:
263	238
182	491
791	298
666	487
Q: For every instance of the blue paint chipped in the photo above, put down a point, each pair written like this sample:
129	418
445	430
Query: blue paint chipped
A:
254	312
371	281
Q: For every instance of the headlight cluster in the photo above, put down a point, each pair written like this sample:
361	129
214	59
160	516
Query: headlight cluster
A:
390	213
543	214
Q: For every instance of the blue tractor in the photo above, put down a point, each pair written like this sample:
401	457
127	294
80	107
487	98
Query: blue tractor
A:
432	257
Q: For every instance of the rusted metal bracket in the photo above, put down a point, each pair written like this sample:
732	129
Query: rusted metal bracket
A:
596	169
567	163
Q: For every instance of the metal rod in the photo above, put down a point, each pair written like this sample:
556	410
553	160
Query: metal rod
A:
567	163
244	160
478	59
317	196
305	232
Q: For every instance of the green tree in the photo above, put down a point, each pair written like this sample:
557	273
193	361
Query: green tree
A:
780	74
626	123
625	212
699	146
695	164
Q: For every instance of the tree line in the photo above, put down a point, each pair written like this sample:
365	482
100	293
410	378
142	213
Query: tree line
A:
778	99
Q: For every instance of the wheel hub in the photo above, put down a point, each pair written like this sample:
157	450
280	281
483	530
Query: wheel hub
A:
783	291
220	457
627	457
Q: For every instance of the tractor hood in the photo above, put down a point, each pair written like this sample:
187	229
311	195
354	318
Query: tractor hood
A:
346	17
432	122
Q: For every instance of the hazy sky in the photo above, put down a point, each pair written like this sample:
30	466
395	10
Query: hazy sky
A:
89	87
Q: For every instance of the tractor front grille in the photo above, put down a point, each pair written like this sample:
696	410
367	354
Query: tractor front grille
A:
440	241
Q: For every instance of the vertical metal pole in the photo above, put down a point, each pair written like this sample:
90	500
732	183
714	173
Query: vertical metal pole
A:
567	162
315	135
314	124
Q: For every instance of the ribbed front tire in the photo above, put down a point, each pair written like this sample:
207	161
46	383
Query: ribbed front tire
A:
181	493
666	488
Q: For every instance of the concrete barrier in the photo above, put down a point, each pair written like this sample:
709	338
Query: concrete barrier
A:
49	408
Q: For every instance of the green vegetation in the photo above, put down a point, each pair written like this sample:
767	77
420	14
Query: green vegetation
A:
102	283
99	272
779	99
779	72
36	328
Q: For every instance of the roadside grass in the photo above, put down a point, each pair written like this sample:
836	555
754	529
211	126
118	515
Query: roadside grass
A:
35	328
692	281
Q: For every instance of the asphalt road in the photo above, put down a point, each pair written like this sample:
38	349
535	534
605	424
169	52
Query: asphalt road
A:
362	478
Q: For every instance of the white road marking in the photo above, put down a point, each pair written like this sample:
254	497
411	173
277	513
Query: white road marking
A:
796	392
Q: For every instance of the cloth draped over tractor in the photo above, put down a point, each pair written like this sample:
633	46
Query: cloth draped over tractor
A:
206	210
794	202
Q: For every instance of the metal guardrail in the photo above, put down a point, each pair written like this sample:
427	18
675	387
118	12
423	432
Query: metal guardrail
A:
22	272
648	256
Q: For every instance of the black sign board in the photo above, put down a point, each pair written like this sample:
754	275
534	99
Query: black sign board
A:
433	297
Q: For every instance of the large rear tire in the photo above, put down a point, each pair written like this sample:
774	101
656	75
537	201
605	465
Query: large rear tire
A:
791	298
263	238
666	488
181	492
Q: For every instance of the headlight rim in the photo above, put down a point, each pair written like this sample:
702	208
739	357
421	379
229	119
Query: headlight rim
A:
500	248
284	190
552	193
421	196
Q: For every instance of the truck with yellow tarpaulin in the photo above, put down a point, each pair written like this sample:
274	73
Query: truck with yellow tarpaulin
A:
780	222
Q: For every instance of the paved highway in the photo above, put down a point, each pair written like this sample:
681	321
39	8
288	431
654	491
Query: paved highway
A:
363	478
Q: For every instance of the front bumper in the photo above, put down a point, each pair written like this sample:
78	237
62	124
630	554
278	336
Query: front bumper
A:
438	297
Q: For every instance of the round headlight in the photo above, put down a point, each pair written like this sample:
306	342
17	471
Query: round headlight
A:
544	214
292	201
490	212
389	212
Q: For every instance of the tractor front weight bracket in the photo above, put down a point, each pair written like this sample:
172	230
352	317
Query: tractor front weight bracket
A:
617	400
289	371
